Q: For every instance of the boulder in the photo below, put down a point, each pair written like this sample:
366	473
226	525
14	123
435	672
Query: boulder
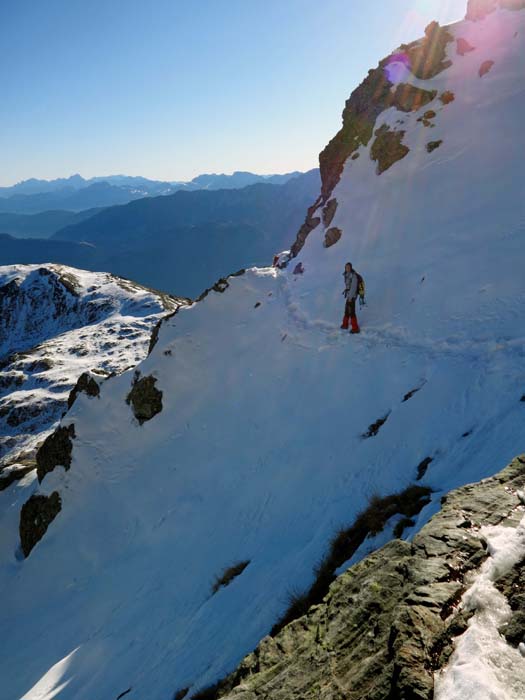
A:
145	399
332	236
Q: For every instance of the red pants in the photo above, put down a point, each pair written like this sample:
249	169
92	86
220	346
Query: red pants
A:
350	315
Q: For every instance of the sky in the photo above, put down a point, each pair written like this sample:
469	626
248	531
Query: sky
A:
169	89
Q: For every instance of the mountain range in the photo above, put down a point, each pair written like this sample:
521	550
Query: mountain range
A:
182	242
76	193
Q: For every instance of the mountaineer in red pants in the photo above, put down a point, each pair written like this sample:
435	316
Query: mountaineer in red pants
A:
354	285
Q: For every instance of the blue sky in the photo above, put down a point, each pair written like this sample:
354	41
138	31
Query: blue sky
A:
170	89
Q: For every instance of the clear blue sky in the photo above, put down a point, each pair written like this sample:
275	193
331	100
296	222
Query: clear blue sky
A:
172	88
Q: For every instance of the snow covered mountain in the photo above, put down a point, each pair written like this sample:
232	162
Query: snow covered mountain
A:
181	510
55	324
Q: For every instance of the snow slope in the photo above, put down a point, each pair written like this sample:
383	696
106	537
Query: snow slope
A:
57	322
258	453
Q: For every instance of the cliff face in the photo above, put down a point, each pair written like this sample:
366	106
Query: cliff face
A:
389	623
418	63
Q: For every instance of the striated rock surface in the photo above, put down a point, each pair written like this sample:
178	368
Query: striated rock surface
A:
387	624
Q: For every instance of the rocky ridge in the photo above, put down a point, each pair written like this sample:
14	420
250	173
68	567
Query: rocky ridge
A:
57	325
388	623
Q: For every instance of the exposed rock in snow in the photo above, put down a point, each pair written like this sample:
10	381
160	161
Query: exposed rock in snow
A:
36	516
55	451
485	68
145	398
332	236
388	148
463	46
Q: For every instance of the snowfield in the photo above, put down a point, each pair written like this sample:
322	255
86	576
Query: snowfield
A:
258	452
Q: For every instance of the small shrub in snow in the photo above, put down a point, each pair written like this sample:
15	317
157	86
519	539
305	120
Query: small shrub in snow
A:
229	574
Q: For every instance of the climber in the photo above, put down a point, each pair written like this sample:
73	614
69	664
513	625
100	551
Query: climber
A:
354	285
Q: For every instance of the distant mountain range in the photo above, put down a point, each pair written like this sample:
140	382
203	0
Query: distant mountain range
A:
181	243
76	193
44	223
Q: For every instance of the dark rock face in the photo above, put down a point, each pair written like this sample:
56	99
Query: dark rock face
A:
447	97
220	286
359	116
329	211
428	56
387	624
55	451
156	330
310	223
388	148
86	384
332	236
35	517
426	59
409	98
145	399
432	145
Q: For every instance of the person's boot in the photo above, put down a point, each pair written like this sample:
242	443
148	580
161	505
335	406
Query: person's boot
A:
344	324
355	325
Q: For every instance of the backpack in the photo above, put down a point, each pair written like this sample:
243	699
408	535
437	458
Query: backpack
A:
360	285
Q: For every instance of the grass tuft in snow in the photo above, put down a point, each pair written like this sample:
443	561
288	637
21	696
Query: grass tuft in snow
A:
229	574
348	539
374	428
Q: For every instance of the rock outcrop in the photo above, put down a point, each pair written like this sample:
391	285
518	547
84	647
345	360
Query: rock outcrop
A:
86	384
329	211
145	399
428	56
388	623
55	451
425	59
36	516
388	148
332	236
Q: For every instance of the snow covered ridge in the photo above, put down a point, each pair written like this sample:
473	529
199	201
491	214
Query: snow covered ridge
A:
56	323
256	430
